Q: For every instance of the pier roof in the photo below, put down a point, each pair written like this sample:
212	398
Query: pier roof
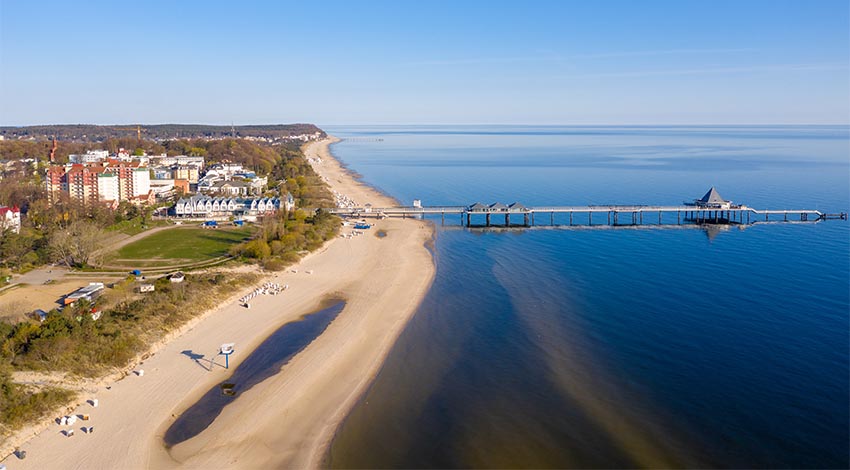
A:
712	197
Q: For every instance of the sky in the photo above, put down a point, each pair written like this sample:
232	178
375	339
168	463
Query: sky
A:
425	62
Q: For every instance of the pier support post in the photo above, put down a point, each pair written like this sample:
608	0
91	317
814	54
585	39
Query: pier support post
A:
507	220
525	219
442	218
487	219
468	219
786	216
589	217
552	218
616	217
766	216
532	218
640	214
571	217
609	217
659	217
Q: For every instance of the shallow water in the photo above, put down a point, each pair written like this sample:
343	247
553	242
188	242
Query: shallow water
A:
265	361
554	347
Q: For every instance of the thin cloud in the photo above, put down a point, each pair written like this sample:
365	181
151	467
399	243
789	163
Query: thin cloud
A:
485	60
559	58
713	70
606	55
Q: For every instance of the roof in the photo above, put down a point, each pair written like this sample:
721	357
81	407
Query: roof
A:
477	207
517	206
498	205
5	209
231	184
712	197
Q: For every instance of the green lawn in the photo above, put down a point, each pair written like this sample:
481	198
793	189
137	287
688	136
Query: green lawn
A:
180	245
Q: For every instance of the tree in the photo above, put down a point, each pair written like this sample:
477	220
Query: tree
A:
14	248
77	245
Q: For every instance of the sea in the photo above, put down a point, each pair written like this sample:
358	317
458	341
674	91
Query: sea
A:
614	347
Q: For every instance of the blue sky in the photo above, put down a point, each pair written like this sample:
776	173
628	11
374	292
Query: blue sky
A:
396	62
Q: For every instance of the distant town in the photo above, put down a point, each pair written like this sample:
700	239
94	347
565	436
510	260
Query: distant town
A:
185	186
163	132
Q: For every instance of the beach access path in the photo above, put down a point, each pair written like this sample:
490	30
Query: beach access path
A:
287	420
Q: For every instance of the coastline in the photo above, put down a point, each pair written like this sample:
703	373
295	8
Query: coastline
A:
289	419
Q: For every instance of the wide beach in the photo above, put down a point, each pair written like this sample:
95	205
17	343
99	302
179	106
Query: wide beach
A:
289	419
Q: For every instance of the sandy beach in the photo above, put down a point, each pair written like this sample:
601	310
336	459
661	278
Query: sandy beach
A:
289	419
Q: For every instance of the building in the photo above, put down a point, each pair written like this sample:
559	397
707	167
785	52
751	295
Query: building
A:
92	156
107	186
163	187
81	182
186	172
230	188
141	182
89	183
206	206
10	219
712	200
89	293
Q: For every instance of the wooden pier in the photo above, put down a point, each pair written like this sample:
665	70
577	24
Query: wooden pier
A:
711	209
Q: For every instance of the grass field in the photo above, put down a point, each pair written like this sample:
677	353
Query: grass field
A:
180	245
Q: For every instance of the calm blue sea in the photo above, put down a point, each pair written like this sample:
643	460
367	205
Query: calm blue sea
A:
557	347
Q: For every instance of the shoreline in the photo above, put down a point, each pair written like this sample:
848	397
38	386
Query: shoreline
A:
290	418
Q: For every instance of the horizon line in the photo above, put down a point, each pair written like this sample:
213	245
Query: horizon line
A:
434	124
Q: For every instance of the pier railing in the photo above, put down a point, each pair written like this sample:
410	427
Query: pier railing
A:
615	214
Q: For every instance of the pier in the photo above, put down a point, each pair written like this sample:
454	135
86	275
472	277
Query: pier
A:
710	209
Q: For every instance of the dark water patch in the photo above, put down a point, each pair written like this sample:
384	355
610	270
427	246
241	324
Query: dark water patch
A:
262	363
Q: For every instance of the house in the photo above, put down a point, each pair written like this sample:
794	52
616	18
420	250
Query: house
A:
10	218
177	277
288	202
477	207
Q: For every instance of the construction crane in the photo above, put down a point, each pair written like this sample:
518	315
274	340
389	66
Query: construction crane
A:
138	130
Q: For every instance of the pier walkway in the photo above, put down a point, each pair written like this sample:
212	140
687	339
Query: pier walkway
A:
711	209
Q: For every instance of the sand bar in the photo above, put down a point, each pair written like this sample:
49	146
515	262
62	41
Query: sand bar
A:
289	419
